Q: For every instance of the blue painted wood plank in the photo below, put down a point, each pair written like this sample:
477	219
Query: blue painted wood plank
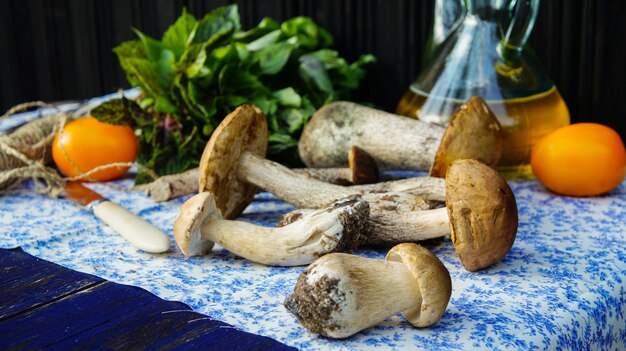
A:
104	315
27	282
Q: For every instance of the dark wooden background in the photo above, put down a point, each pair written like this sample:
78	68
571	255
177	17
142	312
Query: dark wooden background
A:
61	49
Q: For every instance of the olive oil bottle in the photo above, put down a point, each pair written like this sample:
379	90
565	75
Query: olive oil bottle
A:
524	120
484	53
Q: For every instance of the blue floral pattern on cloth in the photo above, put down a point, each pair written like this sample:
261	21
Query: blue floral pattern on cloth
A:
562	286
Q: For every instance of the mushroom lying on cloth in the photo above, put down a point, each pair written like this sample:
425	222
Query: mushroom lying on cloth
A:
340	294
336	228
480	217
400	142
232	167
362	169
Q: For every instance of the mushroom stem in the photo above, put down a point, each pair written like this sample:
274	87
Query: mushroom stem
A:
372	281
340	294
480	216
430	188
292	245
339	176
399	142
416	226
334	228
171	186
288	185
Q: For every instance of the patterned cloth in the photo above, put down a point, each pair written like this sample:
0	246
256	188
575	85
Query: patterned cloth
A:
561	287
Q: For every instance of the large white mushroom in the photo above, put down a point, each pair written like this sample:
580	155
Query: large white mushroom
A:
333	229
399	142
340	294
232	167
480	217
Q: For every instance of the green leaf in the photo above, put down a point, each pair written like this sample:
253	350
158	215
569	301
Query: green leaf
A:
152	47
264	41
293	118
315	76
180	34
204	68
273	58
163	104
142	73
217	25
166	68
308	33
197	68
288	97
117	112
265	26
233	80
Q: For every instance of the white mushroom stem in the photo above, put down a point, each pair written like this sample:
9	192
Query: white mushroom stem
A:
340	294
305	192
431	188
175	185
334	228
407	227
288	185
341	176
392	227
297	244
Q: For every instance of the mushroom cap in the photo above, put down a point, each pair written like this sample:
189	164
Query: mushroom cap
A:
482	212
188	224
474	132
432	277
363	166
244	129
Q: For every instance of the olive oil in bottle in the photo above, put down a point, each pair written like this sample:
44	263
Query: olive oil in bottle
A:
524	120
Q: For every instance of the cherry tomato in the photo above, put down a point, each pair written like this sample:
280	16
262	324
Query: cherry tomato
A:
583	159
89	143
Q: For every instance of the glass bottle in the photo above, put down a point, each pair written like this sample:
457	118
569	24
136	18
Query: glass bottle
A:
485	55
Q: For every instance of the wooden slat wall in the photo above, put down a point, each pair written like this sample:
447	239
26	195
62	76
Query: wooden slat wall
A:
61	49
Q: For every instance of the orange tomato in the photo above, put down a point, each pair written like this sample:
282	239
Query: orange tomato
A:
582	159
89	143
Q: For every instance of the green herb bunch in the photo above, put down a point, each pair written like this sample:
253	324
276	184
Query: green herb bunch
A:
203	69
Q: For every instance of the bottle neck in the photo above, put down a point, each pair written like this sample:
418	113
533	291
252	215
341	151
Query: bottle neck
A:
485	9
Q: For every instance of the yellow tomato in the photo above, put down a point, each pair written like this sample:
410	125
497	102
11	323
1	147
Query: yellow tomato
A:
89	143
582	159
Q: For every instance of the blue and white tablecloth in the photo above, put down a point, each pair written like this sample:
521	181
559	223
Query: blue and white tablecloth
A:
562	286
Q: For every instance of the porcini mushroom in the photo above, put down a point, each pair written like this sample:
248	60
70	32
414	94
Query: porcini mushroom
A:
362	169
229	166
232	167
480	216
336	228
400	142
340	294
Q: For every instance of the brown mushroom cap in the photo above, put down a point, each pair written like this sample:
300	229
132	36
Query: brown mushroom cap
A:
482	212
432	277
473	133
363	166
244	129
188	224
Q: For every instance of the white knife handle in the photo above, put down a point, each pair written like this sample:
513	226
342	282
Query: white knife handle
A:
131	227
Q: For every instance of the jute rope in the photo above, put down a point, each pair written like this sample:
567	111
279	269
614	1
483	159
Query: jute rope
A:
46	179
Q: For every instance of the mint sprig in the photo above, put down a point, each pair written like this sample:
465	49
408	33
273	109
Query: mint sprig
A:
201	69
